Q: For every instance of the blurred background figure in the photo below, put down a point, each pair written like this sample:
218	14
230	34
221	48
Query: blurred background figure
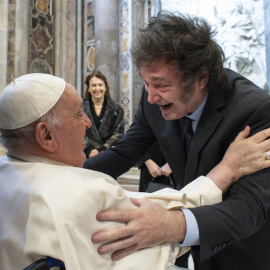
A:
106	116
154	168
2	150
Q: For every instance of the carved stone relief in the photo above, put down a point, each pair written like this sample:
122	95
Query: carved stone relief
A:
41	47
240	26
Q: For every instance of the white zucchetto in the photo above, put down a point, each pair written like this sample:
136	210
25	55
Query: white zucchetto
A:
28	98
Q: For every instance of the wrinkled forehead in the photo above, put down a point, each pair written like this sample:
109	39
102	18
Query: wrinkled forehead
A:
70	98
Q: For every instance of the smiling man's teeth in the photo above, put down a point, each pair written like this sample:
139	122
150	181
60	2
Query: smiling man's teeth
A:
166	106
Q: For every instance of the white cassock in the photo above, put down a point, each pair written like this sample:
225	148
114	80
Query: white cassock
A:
50	210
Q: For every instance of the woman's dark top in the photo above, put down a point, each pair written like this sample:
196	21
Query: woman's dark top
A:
106	129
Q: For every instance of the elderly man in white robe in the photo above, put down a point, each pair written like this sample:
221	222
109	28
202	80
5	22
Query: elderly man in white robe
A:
48	203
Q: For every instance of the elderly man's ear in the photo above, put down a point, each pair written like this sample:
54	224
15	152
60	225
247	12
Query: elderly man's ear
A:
45	137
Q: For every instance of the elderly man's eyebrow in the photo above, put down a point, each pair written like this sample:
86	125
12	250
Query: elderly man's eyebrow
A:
78	110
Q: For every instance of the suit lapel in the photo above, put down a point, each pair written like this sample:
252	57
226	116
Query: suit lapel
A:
210	119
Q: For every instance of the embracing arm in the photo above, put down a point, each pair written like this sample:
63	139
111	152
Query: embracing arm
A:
232	168
244	208
151	224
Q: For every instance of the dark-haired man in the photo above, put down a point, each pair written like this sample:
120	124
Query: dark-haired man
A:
182	67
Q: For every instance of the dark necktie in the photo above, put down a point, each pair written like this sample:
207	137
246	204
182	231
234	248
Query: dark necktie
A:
187	132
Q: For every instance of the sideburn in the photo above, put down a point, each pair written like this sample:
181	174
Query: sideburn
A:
188	91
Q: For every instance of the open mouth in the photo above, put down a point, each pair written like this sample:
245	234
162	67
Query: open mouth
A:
166	106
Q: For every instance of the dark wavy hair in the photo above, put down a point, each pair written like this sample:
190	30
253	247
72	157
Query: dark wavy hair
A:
186	39
101	76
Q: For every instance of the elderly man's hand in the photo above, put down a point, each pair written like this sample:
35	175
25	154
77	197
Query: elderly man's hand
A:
244	156
148	225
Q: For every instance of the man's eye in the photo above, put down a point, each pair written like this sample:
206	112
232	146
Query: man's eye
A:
80	113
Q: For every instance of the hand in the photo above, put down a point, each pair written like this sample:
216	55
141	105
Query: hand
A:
166	170
244	156
93	153
146	226
153	168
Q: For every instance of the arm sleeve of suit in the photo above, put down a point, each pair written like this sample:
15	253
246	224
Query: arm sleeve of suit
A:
244	208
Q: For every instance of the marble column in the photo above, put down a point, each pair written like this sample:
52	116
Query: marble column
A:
21	40
155	7
3	43
267	39
60	38
107	42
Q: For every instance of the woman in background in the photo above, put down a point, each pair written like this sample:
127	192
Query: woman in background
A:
154	168
107	117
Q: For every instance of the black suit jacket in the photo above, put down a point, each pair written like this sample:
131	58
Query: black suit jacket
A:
244	210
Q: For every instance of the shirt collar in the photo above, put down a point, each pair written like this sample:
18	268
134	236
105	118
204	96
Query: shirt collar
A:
195	116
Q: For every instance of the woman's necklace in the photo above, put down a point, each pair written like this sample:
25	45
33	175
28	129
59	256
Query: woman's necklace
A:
98	103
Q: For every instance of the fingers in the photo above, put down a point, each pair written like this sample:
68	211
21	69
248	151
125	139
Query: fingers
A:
120	248
261	135
137	202
266	158
115	215
264	146
166	170
119	233
266	164
243	134
156	171
258	137
124	252
165	173
119	216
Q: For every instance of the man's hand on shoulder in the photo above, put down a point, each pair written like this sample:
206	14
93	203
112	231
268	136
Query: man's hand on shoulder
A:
148	225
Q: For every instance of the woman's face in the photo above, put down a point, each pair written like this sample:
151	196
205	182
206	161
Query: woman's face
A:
97	88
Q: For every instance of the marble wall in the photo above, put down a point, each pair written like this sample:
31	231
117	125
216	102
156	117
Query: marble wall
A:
107	43
58	37
3	43
11	40
41	52
2	150
89	36
99	48
125	60
134	14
